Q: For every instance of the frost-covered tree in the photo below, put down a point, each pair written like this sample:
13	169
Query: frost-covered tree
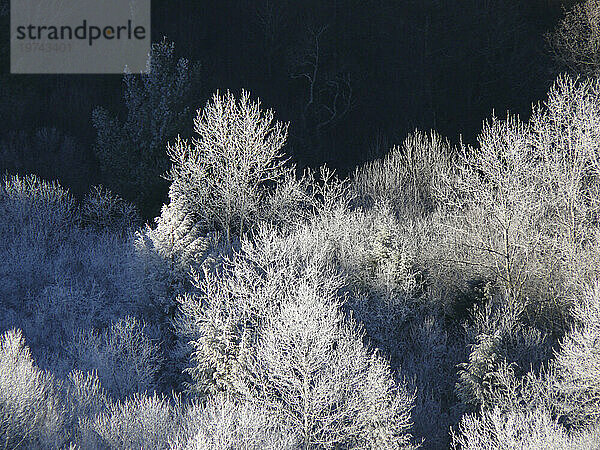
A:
123	356
102	209
132	151
230	178
576	40
270	329
530	430
312	369
502	351
523	204
222	422
32	413
226	175
577	378
410	177
230	305
178	240
498	208
566	138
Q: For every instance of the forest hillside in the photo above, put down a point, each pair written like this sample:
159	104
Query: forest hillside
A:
442	295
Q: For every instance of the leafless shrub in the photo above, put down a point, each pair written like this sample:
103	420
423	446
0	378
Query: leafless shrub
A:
141	421
125	359
520	429
410	178
32	412
222	422
103	209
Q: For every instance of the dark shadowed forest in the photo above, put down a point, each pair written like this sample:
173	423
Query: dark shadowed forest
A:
392	67
308	225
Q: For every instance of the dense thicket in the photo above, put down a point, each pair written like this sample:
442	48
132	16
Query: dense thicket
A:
443	295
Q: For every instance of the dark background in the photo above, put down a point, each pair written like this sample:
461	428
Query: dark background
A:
426	64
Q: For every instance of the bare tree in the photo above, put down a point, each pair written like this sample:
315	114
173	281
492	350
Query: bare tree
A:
329	96
577	382
525	201
497	207
576	41
225	174
312	370
269	329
